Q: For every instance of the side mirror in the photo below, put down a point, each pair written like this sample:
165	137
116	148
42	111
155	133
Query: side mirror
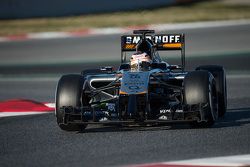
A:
174	67
107	69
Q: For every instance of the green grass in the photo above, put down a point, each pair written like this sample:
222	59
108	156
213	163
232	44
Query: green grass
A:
203	11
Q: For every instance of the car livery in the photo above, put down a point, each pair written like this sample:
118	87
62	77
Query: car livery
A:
153	93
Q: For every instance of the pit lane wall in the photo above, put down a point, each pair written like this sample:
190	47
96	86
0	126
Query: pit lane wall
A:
14	9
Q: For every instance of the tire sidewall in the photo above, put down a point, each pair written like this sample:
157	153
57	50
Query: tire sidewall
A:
68	93
221	86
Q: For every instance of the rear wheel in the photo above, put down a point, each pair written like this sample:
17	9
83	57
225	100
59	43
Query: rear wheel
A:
68	93
221	85
199	91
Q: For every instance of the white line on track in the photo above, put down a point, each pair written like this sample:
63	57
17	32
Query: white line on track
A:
196	25
244	74
237	160
50	105
121	30
11	114
229	161
48	35
237	76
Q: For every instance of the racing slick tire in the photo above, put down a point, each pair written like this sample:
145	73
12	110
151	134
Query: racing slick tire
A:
199	90
221	85
68	93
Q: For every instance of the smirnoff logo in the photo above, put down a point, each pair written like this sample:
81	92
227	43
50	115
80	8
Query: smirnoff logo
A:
156	39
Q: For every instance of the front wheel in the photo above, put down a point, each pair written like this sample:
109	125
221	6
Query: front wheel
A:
68	93
199	90
221	85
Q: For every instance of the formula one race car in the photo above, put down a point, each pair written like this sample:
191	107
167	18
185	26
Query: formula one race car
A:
145	90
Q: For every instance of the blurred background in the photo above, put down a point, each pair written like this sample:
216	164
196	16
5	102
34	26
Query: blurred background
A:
40	40
13	9
49	53
22	16
217	32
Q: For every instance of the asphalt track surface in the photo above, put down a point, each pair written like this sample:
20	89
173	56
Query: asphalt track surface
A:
37	141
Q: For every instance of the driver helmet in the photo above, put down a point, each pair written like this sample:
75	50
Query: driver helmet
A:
138	59
145	46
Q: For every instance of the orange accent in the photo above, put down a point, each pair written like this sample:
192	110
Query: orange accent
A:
122	93
130	46
142	92
172	45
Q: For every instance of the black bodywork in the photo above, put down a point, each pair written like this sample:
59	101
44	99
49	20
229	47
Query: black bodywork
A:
153	93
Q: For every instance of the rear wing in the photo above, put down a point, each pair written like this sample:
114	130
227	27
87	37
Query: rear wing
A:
161	42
